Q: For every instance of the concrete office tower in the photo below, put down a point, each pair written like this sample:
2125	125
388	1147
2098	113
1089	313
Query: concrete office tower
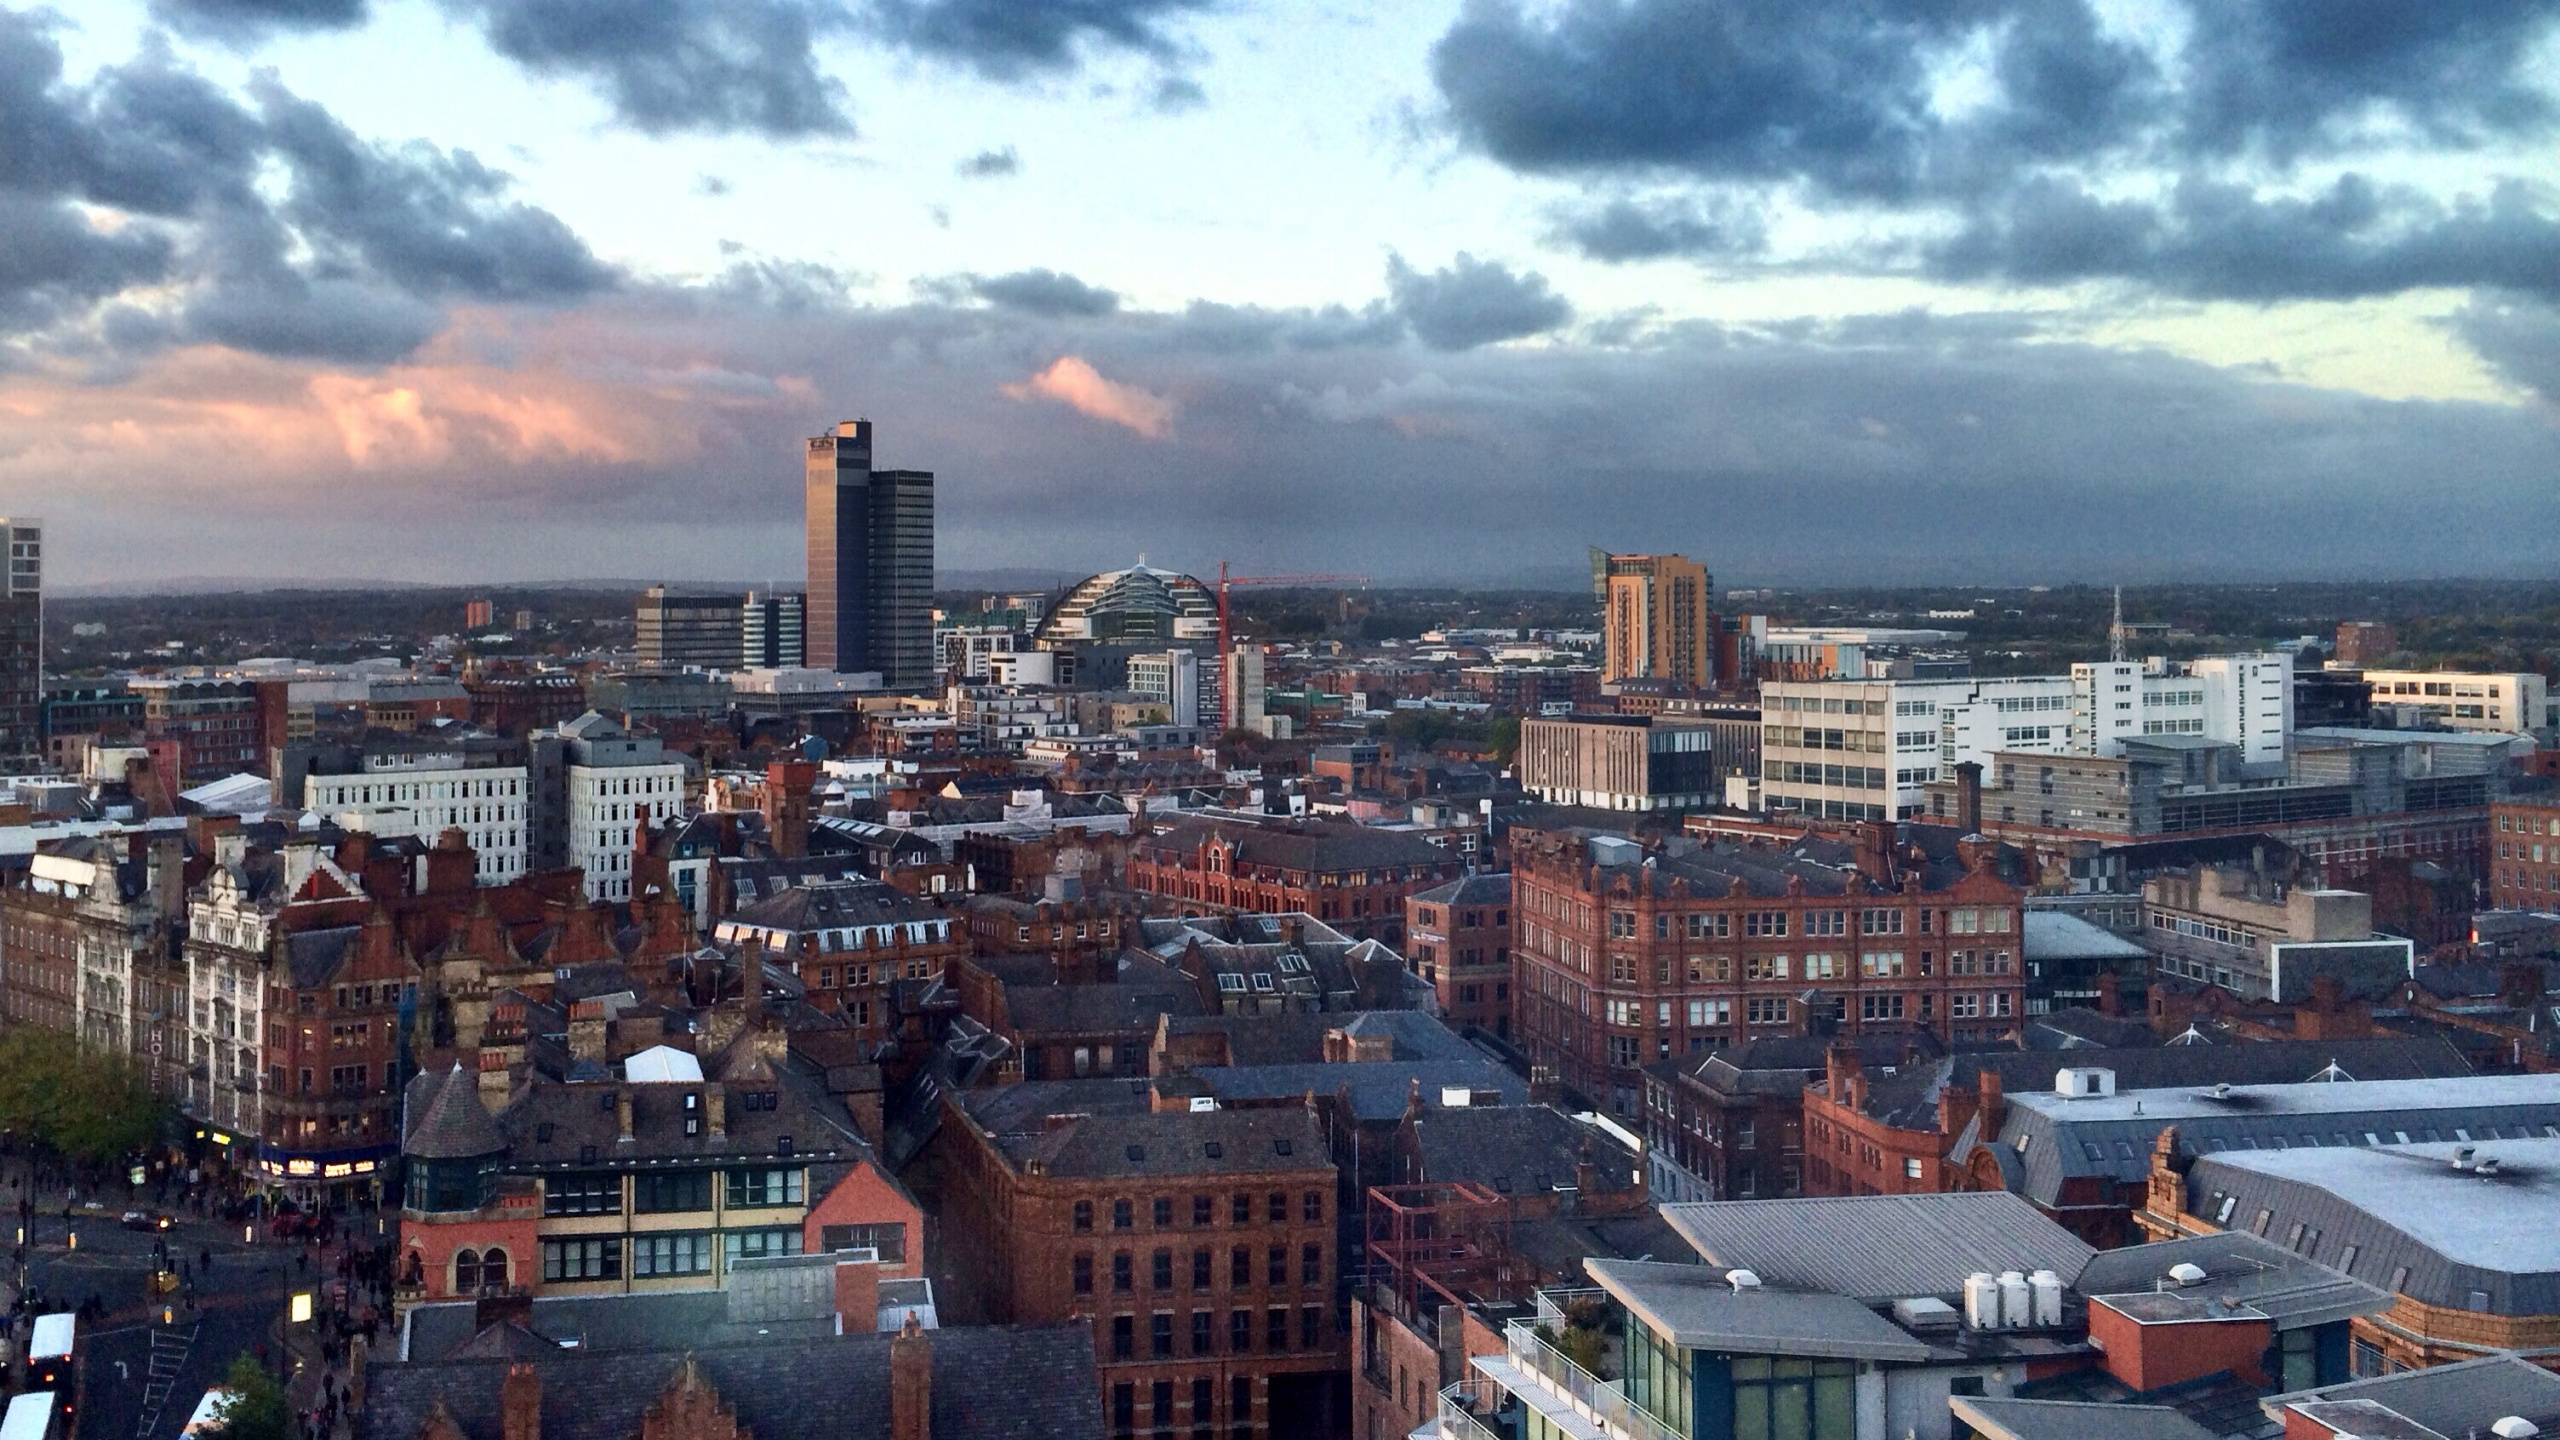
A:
689	631
776	634
22	646
870	562
1653	615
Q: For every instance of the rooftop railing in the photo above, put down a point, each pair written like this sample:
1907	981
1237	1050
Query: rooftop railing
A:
1600	1400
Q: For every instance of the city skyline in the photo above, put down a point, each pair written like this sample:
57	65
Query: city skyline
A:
2025	292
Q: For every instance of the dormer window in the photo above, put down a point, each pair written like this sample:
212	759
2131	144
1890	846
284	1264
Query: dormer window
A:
1230	982
1262	983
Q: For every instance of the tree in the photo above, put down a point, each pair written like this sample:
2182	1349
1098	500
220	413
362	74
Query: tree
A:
88	1107
257	1408
1504	738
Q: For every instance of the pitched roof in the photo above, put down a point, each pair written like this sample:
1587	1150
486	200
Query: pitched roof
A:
1471	890
1177	1142
1879	1247
1520	1149
1696	1307
2292	1290
2459	1399
989	1383
447	1120
1314	846
2446	1236
833	904
2072	1420
313	956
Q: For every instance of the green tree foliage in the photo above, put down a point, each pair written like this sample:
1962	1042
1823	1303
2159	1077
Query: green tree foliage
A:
93	1108
1504	737
257	1408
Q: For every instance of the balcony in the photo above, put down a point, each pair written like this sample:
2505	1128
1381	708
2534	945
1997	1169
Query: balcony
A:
1462	1403
1571	1398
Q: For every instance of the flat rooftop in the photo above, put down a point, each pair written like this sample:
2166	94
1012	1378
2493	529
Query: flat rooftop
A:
2341	1097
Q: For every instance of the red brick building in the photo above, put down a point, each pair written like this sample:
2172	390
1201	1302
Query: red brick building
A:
1630	954
1352	877
1458	937
851	942
1199	1244
2524	843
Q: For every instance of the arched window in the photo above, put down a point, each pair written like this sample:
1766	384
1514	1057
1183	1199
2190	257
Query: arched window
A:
466	1272
493	1269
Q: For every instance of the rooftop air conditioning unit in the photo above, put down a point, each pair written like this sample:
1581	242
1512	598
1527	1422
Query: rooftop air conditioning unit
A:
1742	1280
2186	1273
2515	1427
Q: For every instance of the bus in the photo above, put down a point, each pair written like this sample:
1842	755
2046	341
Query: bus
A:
31	1417
53	1360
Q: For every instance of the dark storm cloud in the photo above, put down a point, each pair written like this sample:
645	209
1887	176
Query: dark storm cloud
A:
241	20
1044	292
353	261
988	164
1904	446
435	222
1015	39
2348	240
2520	341
1473	302
670	65
1831	102
2283	74
1625	229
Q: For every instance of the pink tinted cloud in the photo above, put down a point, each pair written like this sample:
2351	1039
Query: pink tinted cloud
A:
1074	383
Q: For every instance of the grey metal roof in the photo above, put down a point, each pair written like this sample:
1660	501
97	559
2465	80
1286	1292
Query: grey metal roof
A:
2291	1290
2468	1241
2458	1399
1879	1247
2072	1420
2055	1139
2053	935
1695	1307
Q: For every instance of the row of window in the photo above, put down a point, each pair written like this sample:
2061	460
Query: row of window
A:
1160	1409
1160	1269
1161	1210
1240	1333
600	1192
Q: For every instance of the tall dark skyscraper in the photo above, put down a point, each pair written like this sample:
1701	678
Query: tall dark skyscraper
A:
870	562
21	645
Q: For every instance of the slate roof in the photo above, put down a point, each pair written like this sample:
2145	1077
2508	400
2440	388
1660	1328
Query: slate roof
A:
314	956
551	1125
1879	1247
2054	935
1317	847
1176	1142
989	1383
2072	1420
832	904
1037	1010
2459	1399
1520	1149
2462	1236
1695	1307
1826	867
1472	890
447	1120
1783	1064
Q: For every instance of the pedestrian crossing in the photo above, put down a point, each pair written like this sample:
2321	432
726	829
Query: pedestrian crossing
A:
169	1351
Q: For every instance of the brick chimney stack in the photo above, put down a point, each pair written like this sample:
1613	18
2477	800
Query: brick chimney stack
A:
788	785
1969	797
1995	1105
520	1405
910	1384
857	1297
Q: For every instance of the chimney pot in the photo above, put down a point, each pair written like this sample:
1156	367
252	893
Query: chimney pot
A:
520	1404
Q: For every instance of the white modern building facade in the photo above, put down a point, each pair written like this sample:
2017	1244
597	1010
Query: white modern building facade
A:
2243	700
435	793
2515	703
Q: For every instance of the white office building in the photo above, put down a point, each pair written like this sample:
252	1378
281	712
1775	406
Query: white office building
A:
2515	703
427	794
2243	700
613	781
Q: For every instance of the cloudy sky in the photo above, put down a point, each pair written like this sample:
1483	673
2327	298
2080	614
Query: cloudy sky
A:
1819	290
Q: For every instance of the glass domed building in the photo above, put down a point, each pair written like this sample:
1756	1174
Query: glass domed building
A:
1139	605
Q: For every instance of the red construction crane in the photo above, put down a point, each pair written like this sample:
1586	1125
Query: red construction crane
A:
1226	642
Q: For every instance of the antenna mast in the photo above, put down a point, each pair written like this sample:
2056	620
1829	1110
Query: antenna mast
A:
2115	631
